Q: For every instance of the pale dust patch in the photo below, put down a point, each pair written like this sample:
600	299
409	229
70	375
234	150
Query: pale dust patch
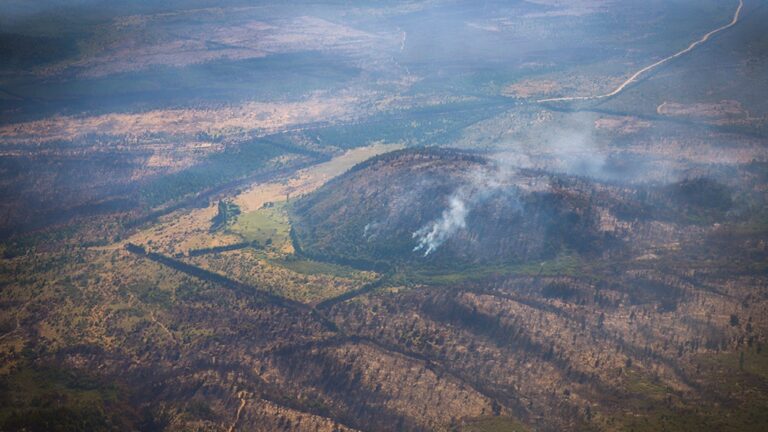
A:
721	109
529	88
265	116
309	179
622	125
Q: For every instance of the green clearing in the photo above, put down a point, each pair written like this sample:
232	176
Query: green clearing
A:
564	264
494	424
311	267
267	225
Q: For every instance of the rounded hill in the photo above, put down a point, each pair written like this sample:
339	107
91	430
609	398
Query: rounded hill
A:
444	207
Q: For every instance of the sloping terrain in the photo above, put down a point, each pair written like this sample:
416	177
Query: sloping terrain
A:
446	208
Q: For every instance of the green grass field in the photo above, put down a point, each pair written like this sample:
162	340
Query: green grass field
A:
267	225
564	264
310	267
494	424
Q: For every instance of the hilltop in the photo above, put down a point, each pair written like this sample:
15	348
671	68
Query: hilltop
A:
445	208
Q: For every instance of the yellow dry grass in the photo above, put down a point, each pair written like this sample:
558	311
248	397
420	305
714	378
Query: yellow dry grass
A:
265	116
622	124
182	231
309	179
529	88
722	110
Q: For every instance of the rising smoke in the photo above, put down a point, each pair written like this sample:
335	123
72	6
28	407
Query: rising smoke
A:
570	149
434	234
481	185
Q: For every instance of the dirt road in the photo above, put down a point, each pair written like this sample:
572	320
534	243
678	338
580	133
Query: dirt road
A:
636	75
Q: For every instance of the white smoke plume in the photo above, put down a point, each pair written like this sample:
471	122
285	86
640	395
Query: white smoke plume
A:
370	232
434	234
571	148
481	185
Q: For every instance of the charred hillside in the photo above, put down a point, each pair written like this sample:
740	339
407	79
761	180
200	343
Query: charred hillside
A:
445	208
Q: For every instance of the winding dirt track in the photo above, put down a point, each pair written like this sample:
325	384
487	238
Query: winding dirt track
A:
243	402
636	75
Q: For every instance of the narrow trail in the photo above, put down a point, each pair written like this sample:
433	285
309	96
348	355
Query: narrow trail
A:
163	327
237	415
636	75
